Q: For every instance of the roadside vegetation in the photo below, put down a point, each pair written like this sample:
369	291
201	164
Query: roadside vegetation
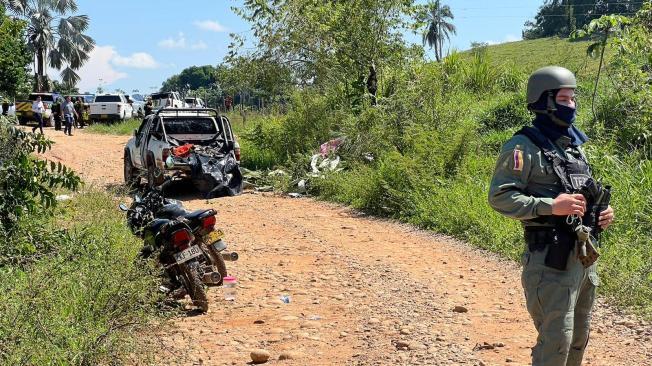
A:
425	152
120	128
71	289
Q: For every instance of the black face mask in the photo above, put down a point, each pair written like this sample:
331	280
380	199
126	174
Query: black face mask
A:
566	114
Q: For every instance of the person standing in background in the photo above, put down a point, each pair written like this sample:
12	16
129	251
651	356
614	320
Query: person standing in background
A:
38	109
68	112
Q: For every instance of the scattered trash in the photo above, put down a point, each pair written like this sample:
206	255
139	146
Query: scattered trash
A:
285	299
314	317
277	173
319	165
265	189
331	146
295	195
63	197
302	186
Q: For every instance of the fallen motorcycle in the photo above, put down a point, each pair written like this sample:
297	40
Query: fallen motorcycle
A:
173	241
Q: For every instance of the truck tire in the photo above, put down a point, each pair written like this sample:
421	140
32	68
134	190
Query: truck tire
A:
22	121
154	180
131	176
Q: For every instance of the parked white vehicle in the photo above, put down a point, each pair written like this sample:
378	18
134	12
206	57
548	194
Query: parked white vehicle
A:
192	102
111	107
167	99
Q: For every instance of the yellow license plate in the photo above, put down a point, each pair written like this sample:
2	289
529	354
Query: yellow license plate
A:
215	236
104	116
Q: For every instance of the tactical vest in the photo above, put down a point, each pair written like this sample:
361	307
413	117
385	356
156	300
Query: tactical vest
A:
572	170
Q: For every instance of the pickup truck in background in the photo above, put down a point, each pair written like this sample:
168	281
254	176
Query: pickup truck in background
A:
110	107
167	99
192	102
24	112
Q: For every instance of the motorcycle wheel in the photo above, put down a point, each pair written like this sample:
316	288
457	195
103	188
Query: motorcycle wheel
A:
195	287
218	261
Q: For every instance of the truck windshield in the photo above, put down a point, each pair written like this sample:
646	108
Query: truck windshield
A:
107	99
161	96
189	126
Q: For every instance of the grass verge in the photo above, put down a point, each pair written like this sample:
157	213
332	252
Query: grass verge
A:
79	295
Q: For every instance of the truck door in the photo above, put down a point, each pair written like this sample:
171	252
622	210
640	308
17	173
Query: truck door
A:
141	142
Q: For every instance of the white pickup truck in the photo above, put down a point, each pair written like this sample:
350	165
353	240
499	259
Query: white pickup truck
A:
211	158
110	107
167	99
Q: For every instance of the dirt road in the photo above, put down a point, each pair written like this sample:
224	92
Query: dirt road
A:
362	291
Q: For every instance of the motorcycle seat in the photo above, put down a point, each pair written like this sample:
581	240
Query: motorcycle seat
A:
196	214
171	211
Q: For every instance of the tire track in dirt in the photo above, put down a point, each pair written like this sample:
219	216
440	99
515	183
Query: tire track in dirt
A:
362	291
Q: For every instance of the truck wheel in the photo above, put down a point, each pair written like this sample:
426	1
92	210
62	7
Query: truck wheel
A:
154	180
22	121
131	177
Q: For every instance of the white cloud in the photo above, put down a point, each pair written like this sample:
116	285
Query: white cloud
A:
99	66
210	25
178	42
201	45
508	38
138	60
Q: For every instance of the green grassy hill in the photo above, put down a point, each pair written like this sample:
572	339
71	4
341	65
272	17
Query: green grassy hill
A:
533	54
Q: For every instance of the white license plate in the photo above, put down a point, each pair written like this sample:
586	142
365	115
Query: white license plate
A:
187	254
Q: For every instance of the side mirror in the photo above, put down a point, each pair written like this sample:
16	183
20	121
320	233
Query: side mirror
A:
123	207
135	133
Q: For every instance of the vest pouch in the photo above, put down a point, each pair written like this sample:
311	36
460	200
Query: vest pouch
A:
560	249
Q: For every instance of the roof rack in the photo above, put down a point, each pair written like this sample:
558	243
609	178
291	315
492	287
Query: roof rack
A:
186	111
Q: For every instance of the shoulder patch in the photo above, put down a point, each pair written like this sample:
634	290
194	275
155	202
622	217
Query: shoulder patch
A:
518	159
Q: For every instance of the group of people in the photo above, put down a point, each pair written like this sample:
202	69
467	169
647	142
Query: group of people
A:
67	111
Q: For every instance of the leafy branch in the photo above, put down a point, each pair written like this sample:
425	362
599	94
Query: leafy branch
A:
599	30
27	183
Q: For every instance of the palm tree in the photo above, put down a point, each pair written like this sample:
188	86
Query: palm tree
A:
438	26
56	38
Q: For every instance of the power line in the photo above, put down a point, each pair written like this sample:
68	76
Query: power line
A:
570	5
540	15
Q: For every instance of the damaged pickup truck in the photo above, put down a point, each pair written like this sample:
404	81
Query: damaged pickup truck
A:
194	143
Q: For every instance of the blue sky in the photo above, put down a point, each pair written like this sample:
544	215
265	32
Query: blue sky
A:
140	43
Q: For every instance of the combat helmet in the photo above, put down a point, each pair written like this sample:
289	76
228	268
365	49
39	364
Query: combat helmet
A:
547	80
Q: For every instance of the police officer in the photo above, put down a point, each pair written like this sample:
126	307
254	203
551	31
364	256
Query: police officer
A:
536	180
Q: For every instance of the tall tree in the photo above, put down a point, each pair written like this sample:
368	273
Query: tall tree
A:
55	37
327	42
562	17
190	78
437	18
14	56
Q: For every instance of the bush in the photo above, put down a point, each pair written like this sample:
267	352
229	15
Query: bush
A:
506	111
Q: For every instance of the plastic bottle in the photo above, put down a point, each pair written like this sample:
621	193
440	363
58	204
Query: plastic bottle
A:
229	283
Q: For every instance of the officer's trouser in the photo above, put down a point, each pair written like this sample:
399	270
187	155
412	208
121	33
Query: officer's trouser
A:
559	303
